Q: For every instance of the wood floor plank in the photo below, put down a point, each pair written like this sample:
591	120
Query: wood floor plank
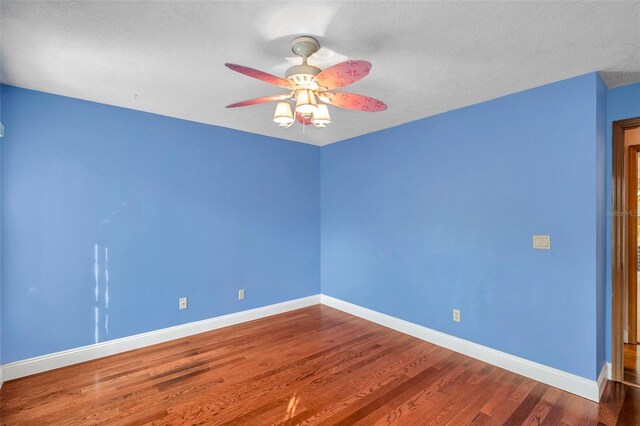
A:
611	402
310	366
630	411
470	414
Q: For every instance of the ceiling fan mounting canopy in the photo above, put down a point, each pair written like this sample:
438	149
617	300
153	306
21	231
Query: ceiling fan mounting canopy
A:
305	46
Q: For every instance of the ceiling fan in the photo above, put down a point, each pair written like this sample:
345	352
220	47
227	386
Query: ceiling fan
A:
307	83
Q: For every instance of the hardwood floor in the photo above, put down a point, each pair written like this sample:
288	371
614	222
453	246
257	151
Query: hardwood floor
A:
311	366
631	364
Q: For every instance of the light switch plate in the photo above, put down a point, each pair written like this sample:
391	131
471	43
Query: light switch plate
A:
542	242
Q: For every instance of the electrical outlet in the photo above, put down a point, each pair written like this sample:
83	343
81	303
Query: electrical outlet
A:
240	294
456	315
182	303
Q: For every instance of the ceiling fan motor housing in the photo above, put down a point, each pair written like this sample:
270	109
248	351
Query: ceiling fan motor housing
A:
302	75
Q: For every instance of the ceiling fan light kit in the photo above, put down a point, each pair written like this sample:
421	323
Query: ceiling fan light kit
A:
321	117
306	102
308	84
283	115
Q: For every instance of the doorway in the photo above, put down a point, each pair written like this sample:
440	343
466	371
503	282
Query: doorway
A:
625	251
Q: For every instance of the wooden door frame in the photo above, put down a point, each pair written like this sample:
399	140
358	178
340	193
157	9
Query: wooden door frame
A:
620	245
631	152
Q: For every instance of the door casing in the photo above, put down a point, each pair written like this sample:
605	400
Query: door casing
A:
622	247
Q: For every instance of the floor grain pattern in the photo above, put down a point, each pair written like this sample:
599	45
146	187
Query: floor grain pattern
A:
310	366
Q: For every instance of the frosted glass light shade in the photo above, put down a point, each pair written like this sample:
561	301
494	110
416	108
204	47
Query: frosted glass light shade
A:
283	113
306	102
321	116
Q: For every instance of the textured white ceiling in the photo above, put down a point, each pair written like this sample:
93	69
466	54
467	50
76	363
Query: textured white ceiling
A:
428	57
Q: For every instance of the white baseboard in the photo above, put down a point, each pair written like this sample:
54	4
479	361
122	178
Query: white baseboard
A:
603	377
47	362
581	386
590	389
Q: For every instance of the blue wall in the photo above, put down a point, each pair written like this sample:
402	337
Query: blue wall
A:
622	103
170	208
416	220
439	214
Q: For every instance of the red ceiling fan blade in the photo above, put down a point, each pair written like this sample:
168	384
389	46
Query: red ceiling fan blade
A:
342	74
257	101
260	75
353	101
303	120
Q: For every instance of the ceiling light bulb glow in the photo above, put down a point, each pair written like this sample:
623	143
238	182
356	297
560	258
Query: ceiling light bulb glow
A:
306	102
321	116
283	114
